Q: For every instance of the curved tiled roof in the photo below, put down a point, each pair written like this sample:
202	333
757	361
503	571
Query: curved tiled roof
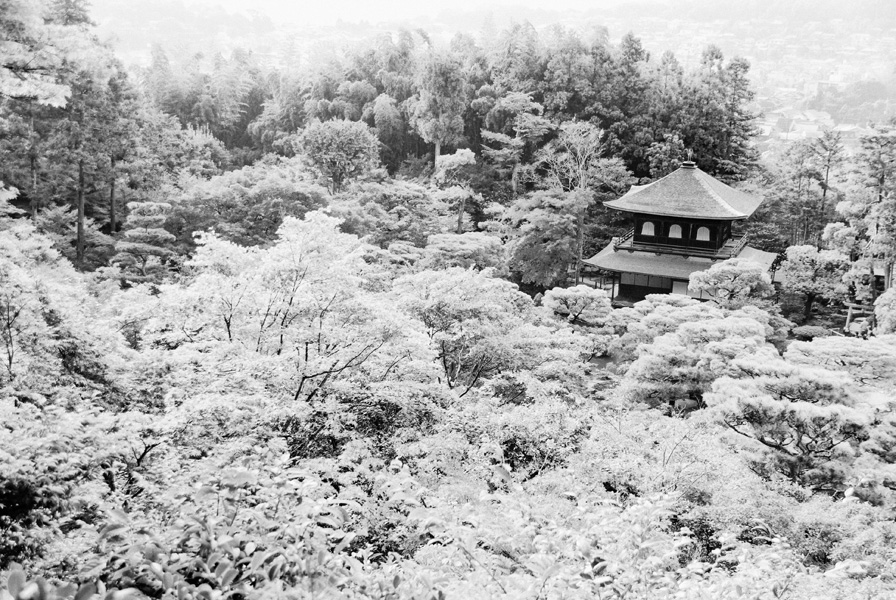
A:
662	265
665	265
688	192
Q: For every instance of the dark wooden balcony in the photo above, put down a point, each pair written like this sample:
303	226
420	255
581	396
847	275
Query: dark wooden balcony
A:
729	249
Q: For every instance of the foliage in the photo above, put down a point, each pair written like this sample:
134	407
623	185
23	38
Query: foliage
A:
869	362
867	234
299	418
297	395
142	253
801	419
392	211
467	250
59	224
479	326
579	305
436	108
454	170
340	150
733	283
807	333
652	317
677	369
59	457
43	317
575	165
588	310
245	206
545	226
31	50
885	311
814	273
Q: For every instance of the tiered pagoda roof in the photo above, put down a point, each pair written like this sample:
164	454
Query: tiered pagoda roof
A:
688	192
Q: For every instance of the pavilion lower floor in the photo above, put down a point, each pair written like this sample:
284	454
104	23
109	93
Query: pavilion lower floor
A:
629	288
635	273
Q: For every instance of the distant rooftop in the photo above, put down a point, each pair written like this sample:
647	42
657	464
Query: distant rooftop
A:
688	192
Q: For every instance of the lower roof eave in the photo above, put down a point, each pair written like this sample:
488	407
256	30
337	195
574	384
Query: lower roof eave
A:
663	265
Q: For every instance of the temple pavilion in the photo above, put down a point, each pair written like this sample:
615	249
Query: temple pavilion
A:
682	223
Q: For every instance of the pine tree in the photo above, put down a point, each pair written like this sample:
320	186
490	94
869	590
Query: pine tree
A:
142	253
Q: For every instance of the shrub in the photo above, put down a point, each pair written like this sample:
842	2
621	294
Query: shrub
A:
807	333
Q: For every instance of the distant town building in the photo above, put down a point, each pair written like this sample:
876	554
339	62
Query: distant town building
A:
682	223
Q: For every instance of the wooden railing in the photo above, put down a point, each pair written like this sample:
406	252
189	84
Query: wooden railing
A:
731	248
739	245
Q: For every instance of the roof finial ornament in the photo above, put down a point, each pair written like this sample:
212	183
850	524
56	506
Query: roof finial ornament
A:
690	155
689	163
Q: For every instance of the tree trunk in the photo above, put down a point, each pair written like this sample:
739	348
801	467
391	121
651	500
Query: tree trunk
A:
79	247
807	309
460	214
873	280
112	215
436	153
32	164
34	203
580	243
515	178
824	197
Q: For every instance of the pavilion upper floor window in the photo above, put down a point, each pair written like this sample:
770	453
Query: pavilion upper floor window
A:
675	231
703	234
647	228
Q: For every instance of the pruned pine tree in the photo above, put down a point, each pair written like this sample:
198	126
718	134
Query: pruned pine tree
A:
734	283
802	420
814	273
143	252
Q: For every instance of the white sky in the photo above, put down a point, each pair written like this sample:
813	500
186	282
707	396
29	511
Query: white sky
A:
325	12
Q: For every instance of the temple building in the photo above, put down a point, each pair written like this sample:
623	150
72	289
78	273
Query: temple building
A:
682	223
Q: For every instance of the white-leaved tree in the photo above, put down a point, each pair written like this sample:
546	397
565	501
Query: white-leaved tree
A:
885	311
298	314
579	304
734	283
340	150
678	368
480	326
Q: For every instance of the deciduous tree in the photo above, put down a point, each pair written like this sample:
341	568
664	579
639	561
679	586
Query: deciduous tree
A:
544	227
340	150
